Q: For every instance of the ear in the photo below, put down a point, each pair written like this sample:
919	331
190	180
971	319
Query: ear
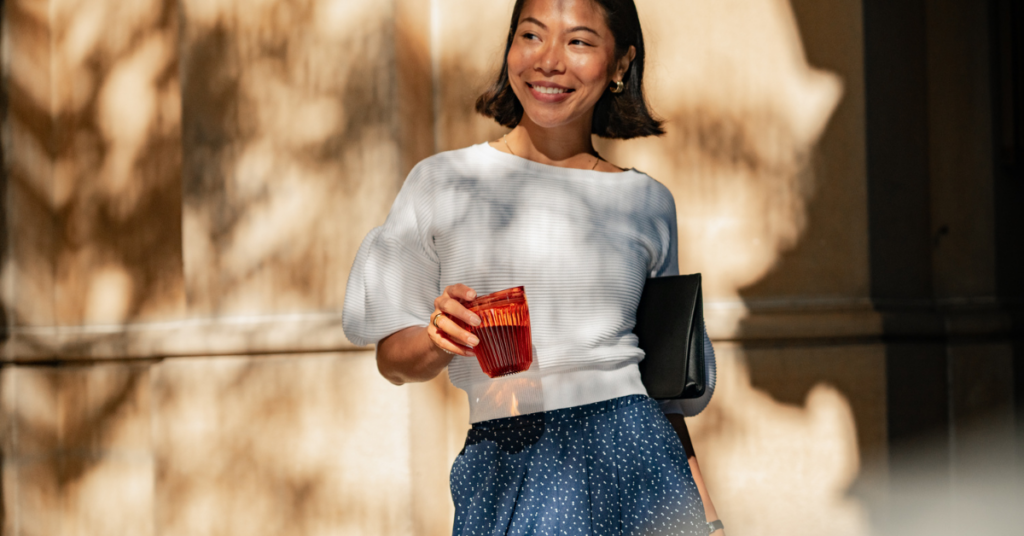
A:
622	65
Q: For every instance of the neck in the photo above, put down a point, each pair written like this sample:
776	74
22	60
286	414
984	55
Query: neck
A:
564	146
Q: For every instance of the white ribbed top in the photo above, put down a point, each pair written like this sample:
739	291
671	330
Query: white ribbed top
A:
580	242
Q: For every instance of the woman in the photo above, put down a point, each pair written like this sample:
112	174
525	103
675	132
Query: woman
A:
574	445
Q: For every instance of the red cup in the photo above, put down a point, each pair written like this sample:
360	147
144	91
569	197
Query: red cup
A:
506	346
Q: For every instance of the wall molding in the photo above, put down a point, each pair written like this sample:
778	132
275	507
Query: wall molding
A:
756	321
243	335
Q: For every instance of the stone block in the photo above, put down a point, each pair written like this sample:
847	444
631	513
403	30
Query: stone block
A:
28	175
117	161
34	412
115	408
35	506
301	444
113	496
77	456
290	149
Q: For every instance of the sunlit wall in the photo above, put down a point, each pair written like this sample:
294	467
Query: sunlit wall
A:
186	185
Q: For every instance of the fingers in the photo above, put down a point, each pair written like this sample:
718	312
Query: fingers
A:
449	336
451	304
461	292
448	331
451	330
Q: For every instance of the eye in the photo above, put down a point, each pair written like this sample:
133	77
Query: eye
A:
528	35
579	42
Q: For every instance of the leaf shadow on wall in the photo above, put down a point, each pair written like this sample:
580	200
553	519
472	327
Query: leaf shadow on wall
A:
117	148
279	132
94	185
288	143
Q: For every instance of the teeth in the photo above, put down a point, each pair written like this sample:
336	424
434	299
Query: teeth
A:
550	90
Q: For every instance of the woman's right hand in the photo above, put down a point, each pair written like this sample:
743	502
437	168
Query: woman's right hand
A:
444	332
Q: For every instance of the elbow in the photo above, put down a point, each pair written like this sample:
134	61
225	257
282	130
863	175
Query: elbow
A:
385	366
394	379
396	376
399	362
389	374
402	378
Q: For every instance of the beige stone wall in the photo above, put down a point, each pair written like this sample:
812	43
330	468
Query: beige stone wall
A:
290	149
254	445
187	183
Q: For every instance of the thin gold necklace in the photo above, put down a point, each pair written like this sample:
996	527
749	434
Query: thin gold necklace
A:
597	158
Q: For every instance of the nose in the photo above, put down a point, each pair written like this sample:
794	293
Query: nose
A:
549	60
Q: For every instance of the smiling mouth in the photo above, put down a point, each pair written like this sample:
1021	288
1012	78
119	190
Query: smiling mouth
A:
550	90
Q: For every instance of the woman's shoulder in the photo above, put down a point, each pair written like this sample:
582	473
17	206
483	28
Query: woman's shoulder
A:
441	171
448	161
657	190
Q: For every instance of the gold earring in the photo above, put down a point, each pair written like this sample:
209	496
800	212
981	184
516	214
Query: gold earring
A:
617	87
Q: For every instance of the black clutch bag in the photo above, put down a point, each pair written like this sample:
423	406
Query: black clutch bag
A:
670	326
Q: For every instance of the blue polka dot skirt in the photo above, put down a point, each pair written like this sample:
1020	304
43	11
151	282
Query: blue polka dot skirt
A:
615	467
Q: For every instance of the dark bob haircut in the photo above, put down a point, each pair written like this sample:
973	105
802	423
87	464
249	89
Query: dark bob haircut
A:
618	116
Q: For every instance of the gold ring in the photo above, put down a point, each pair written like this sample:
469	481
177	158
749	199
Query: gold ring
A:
434	321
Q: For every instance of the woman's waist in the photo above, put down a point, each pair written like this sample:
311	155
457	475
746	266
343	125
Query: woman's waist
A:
559	358
539	389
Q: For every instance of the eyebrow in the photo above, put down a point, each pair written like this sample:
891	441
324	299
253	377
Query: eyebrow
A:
570	30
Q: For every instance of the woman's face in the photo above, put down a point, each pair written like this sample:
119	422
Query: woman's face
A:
562	60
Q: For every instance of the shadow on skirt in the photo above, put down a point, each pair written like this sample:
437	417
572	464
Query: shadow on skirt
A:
610	468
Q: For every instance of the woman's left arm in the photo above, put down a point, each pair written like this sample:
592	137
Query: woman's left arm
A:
679	423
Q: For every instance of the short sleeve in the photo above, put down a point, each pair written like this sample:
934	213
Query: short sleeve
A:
396	274
692	406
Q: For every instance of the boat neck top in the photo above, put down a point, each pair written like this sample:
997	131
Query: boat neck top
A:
580	242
